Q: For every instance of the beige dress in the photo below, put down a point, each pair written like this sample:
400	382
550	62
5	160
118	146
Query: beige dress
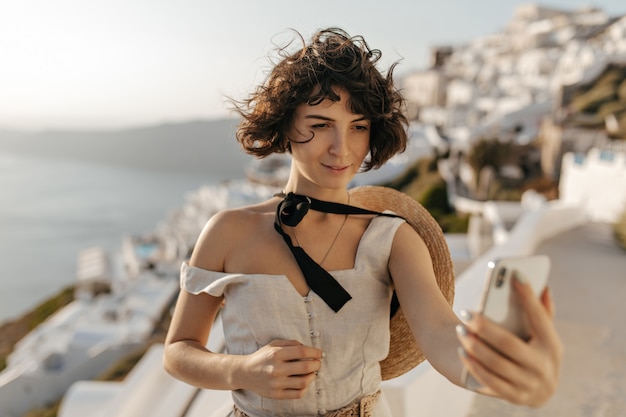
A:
260	308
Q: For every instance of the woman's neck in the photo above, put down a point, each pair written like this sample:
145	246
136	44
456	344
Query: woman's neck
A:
298	186
337	196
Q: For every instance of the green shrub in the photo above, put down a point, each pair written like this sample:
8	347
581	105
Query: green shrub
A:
453	223
50	411
435	199
499	192
11	332
490	152
119	370
422	182
50	306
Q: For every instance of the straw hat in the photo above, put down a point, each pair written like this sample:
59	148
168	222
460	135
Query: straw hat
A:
404	354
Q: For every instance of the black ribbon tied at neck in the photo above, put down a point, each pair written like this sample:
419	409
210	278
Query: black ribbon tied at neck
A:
290	212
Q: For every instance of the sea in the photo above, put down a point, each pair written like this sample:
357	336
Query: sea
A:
51	209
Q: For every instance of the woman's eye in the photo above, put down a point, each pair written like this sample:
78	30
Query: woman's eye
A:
320	125
361	127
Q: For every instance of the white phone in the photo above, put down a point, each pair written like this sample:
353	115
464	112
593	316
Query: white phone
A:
499	301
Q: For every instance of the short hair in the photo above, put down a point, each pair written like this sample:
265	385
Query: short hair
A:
312	74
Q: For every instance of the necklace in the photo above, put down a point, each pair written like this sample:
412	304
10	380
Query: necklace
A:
345	218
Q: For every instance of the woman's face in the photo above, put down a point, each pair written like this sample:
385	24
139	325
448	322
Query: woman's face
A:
339	142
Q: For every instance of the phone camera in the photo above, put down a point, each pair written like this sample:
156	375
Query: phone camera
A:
500	277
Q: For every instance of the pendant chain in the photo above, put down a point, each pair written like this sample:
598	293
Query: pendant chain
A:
334	240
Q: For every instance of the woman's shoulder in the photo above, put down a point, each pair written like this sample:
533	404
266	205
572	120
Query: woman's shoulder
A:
246	215
225	230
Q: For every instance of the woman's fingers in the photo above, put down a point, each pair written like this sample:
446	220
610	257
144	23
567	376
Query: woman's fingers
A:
493	355
283	369
489	339
522	372
499	370
539	313
489	356
492	383
296	359
548	301
293	350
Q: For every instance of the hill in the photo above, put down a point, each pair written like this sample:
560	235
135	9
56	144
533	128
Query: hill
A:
195	146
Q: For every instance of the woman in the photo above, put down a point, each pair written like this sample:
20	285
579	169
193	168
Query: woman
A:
304	341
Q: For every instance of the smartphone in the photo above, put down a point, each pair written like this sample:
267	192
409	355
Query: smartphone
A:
499	301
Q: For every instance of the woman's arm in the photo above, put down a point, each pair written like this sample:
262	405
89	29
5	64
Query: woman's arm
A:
527	374
282	369
428	313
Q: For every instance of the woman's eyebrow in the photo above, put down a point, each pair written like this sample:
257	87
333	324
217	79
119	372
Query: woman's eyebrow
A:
330	119
317	116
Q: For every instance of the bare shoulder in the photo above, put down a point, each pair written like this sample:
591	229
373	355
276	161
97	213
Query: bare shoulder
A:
226	229
408	245
406	232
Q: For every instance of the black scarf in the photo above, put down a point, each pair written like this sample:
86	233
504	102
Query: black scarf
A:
290	212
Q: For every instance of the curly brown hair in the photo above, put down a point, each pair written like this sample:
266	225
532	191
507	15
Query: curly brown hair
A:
312	74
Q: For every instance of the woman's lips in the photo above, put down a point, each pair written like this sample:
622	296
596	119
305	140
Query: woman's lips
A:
337	168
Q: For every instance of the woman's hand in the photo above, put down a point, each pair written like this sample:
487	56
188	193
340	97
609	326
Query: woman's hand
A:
282	369
522	372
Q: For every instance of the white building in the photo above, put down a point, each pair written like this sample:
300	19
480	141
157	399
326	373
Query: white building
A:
498	76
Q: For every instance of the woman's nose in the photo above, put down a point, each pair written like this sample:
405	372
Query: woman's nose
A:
339	145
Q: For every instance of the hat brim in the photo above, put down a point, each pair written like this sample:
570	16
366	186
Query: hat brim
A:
404	353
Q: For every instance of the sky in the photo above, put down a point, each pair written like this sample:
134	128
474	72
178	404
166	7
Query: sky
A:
102	64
